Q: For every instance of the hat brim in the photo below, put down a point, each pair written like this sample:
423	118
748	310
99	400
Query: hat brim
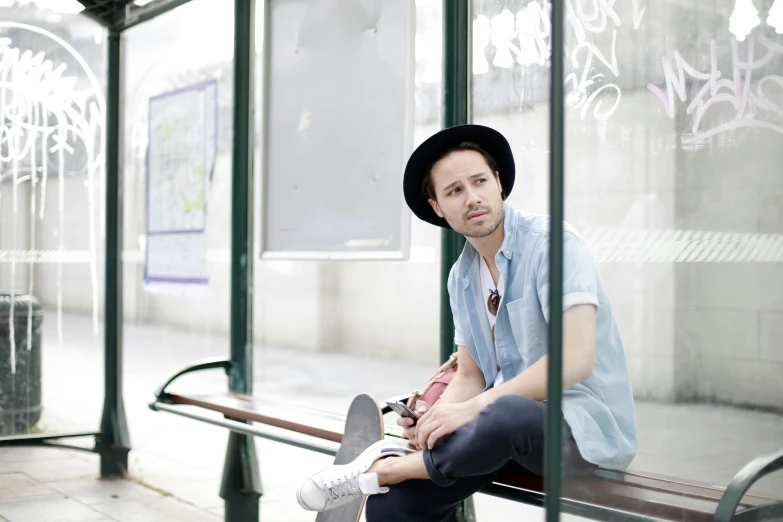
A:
433	148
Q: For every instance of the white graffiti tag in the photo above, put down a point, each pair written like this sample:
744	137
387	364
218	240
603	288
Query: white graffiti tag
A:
45	121
525	39
587	82
742	105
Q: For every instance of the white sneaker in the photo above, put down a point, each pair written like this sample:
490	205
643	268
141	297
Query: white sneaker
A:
340	484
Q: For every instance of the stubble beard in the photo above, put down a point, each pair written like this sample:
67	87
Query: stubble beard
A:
464	227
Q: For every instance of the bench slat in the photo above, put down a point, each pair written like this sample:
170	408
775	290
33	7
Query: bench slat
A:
671	505
688	489
244	407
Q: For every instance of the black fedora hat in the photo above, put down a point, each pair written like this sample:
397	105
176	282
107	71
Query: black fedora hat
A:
435	146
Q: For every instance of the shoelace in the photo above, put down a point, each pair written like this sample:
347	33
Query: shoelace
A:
347	486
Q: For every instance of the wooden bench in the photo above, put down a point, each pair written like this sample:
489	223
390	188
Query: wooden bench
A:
604	495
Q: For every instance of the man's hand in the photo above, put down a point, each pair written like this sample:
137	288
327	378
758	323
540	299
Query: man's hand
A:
409	428
444	419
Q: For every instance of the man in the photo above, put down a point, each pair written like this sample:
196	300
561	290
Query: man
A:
493	413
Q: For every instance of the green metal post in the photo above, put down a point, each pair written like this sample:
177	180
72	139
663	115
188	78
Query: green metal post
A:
114	441
554	437
241	484
456	111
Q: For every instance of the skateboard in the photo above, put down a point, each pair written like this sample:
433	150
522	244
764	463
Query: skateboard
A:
363	428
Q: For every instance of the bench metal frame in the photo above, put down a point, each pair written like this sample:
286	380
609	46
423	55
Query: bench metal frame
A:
327	442
52	440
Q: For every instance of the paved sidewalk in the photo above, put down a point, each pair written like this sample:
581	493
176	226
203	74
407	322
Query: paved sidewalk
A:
55	485
176	463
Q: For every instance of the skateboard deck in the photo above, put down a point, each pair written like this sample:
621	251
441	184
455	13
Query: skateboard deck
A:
363	428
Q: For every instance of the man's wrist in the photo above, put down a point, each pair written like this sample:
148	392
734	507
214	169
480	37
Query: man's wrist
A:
482	400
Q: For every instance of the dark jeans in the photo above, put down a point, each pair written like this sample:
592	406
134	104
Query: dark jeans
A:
510	430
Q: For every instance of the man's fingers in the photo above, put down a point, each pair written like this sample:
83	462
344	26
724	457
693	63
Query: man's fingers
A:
420	430
405	422
433	438
421	439
427	414
423	432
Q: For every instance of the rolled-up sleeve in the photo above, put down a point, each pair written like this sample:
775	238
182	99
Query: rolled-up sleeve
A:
579	274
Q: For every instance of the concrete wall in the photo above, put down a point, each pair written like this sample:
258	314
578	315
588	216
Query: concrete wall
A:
729	314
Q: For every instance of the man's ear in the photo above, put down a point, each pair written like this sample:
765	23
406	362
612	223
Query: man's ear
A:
435	207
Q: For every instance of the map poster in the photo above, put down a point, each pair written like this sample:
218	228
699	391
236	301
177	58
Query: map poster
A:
181	157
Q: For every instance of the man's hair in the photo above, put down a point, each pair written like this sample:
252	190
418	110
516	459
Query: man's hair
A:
428	191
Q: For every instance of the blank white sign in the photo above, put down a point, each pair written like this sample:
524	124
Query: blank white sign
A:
338	104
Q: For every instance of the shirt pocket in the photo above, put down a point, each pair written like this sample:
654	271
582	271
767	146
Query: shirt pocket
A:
525	334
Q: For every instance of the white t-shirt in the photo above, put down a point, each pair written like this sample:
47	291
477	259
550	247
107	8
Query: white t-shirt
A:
487	284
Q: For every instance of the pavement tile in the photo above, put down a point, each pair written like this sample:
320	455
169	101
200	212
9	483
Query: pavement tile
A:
95	491
58	471
37	454
49	508
19	485
167	509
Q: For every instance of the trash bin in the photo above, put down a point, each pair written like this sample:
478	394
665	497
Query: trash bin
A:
20	384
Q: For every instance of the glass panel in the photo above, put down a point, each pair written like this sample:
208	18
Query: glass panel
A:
326	331
52	121
673	123
673	180
364	324
177	231
511	95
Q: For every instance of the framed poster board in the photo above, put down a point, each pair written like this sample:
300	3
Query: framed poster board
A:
338	112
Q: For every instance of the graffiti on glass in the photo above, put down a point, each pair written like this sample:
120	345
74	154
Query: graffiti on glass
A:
47	117
525	39
745	98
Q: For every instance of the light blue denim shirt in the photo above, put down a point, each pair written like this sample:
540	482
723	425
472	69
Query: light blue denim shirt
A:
599	410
